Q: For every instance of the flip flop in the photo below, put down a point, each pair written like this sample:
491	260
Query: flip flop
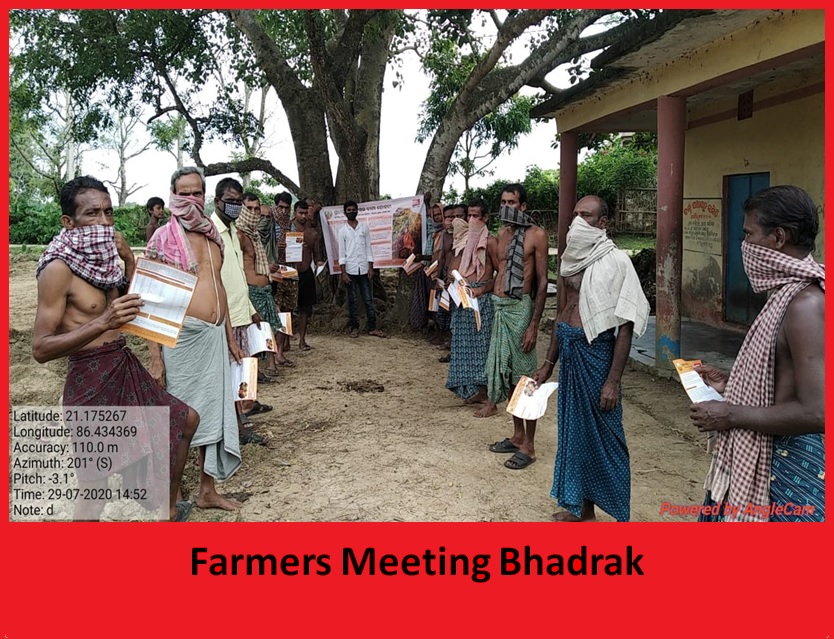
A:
305	347
518	461
287	364
258	408
505	446
354	333
251	437
183	510
377	333
263	379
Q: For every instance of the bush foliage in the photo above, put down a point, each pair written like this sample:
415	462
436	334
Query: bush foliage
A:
35	223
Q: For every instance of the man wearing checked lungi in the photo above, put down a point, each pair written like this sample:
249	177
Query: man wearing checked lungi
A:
81	307
603	294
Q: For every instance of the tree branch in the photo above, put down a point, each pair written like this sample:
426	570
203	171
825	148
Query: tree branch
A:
160	112
247	166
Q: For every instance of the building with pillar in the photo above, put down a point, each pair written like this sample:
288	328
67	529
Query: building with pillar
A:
737	101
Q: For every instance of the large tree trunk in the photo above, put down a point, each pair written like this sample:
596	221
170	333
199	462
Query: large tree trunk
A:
304	112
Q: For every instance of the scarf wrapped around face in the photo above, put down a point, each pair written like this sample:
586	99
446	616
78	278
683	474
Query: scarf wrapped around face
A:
473	262
247	224
514	282
170	245
460	229
740	468
611	293
89	252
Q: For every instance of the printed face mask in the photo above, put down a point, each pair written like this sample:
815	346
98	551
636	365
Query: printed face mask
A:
232	211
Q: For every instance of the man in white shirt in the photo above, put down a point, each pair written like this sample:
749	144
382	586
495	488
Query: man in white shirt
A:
357	262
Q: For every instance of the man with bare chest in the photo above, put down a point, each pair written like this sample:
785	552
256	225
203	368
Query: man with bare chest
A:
310	258
80	312
769	458
603	293
518	298
197	370
256	269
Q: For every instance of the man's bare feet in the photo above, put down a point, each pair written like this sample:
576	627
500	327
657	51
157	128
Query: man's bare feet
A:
214	500
564	515
487	410
478	398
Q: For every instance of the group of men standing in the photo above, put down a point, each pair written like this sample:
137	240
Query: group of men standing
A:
769	451
232	250
769	444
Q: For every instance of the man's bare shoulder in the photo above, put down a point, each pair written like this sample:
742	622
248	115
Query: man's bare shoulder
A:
536	235
807	308
56	273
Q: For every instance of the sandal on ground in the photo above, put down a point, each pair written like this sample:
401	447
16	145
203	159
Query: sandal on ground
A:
249	436
305	347
286	364
505	446
354	332
258	408
183	510
518	461
264	379
377	333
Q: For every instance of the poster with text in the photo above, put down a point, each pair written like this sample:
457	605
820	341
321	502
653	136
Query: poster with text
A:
398	228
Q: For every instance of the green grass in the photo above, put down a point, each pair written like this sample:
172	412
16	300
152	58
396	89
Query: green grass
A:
634	242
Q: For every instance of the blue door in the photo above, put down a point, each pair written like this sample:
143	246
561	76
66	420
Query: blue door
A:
741	304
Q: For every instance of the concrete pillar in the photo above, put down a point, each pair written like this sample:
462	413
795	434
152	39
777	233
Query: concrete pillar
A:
568	151
671	132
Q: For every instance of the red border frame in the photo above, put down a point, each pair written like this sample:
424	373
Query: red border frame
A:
122	580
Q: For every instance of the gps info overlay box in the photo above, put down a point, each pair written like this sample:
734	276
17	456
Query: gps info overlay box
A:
89	463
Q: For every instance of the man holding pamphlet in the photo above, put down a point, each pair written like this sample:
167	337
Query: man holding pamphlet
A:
305	258
518	298
603	293
768	461
471	333
192	243
256	270
80	311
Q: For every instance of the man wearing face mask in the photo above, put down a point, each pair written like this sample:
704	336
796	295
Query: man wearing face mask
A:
228	203
768	462
80	311
603	293
206	341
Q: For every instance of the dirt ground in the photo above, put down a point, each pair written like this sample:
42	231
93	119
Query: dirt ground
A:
364	430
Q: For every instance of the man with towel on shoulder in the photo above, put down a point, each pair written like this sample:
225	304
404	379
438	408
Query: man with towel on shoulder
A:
518	302
603	293
197	370
467	372
768	461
